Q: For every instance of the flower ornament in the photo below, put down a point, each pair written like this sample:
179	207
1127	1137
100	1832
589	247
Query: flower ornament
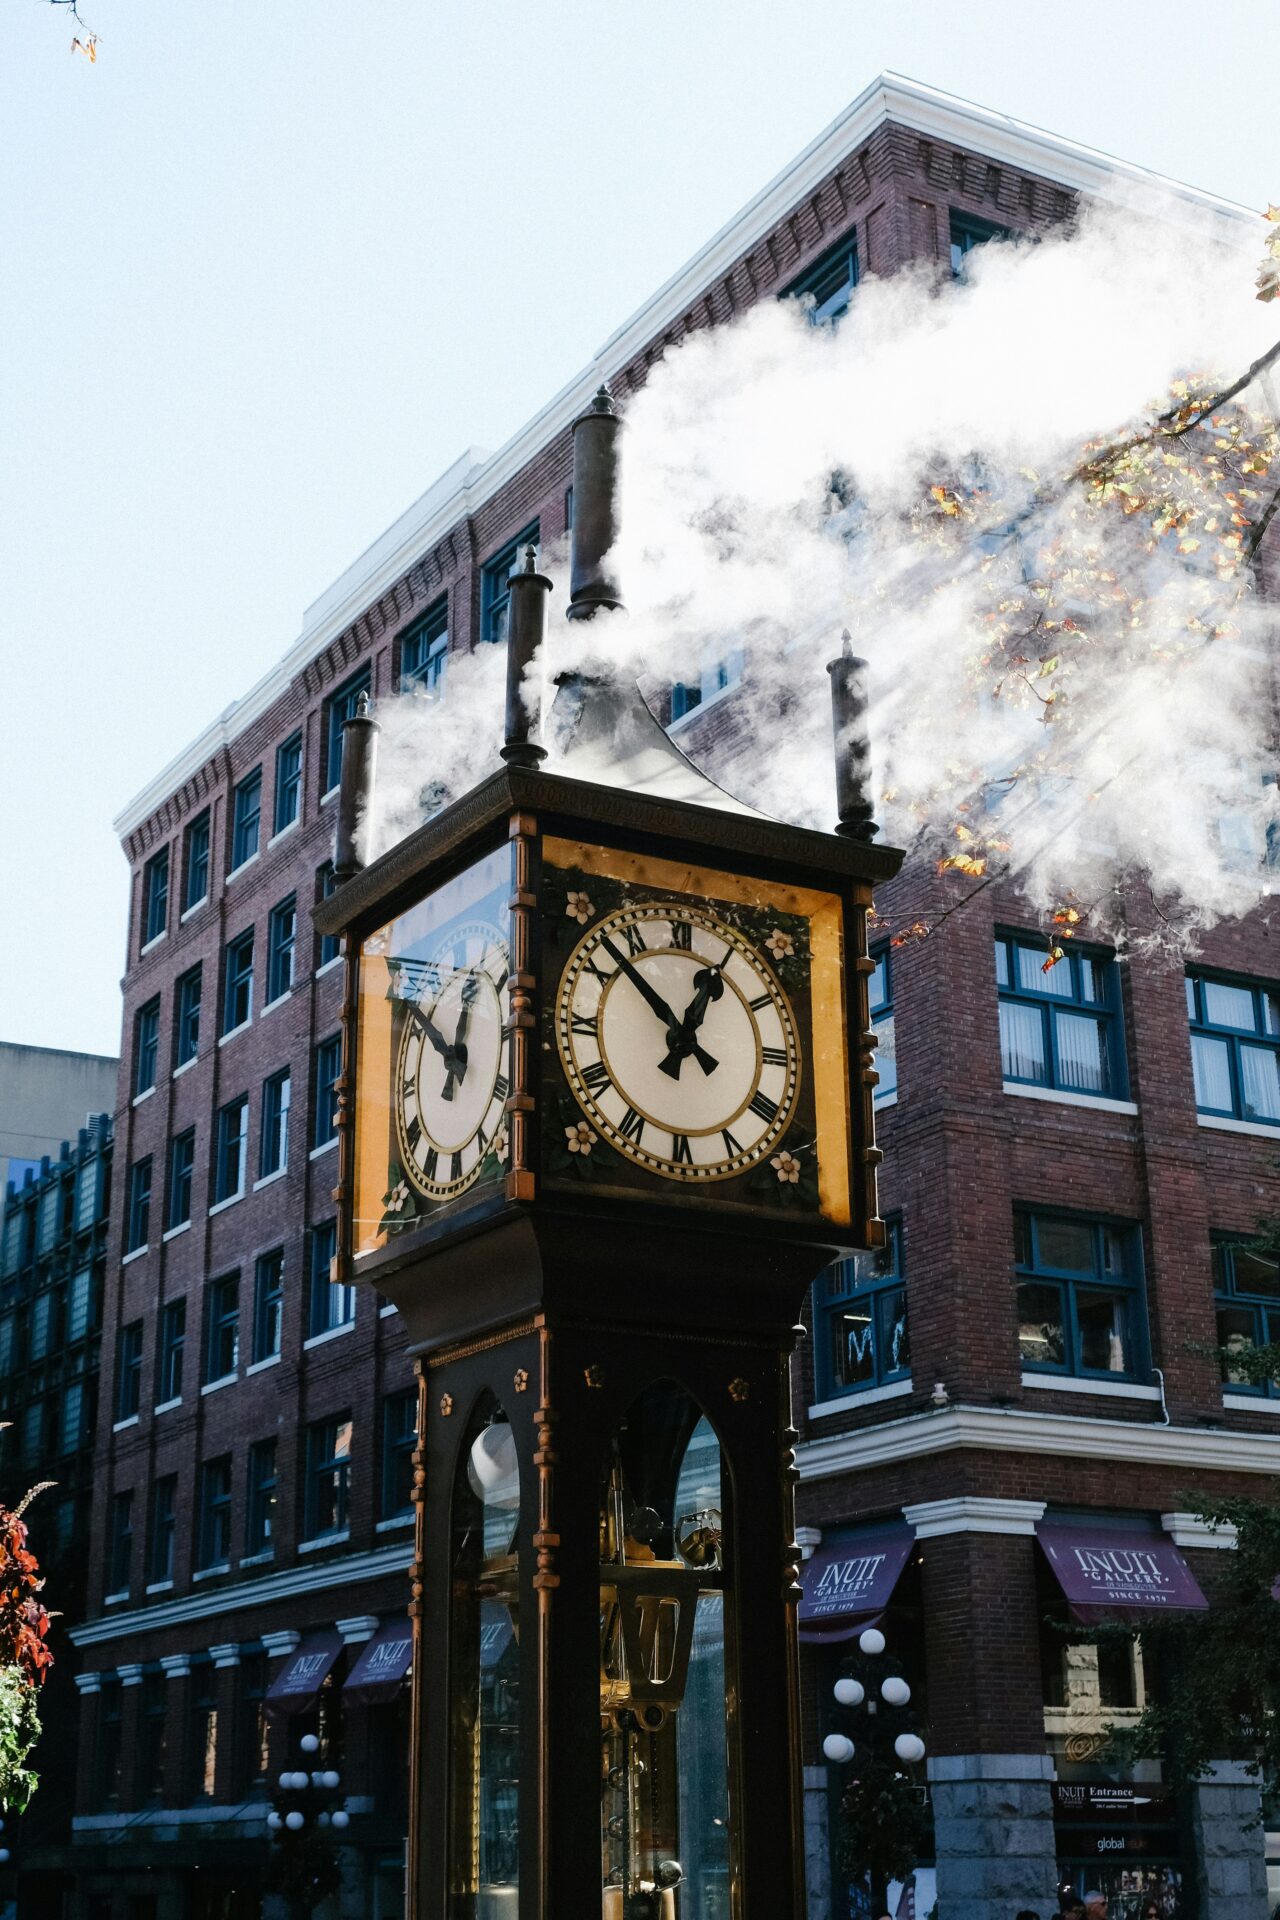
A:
780	944
787	1168
580	1139
399	1198
520	1380
500	1143
578	907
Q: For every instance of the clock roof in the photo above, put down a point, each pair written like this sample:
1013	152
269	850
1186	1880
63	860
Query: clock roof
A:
604	732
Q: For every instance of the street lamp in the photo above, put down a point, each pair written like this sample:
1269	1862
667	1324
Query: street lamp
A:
886	1747
303	1816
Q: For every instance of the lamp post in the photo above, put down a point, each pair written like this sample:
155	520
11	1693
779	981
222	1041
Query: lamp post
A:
307	1809
884	1803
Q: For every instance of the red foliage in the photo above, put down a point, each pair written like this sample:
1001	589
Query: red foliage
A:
24	1622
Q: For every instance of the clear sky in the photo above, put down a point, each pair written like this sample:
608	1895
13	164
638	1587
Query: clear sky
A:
268	269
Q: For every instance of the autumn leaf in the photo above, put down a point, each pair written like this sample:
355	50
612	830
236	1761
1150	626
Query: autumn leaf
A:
962	863
1055	954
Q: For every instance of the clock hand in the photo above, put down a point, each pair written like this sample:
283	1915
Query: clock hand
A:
710	986
433	1034
641	985
456	1055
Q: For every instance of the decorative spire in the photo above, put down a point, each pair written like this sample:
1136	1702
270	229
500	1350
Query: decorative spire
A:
849	703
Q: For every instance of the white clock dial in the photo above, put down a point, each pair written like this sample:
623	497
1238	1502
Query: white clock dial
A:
450	1084
678	1042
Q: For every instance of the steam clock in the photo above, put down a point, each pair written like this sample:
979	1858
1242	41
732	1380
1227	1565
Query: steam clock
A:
606	1114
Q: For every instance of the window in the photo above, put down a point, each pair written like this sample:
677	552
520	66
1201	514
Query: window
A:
120	1545
328	1471
246	818
255	1722
214	1529
146	1045
164	1520
268	1303
880	1001
861	1334
424	649
399	1438
495	588
153	1734
129	1370
282	929
110	1743
829	282
288	782
71	1428
1060	1025
204	1729
182	1159
341	708
222	1327
237	1004
139	1220
688	695
41	1325
186	1018
1235	1048
273	1144
331	1305
81	1306
326	883
1079	1300
155	896
968	232
173	1336
1246	1293
233	1136
195	864
328	1067
261	1510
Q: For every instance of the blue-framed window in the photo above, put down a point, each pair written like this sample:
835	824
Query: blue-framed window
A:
138	1220
173	1340
229	1149
968	232
213	1530
1246	1297
329	946
155	896
246	818
424	649
688	695
273	1139
222	1327
340	708
164	1524
328	1067
1235	1048
495	585
1060	1026
268	1304
288	782
237	1001
1080	1303
186	1018
861	1337
195	863
829	282
146	1046
282	931
399	1438
880	1001
129	1371
182	1160
328	1477
330	1305
260	1504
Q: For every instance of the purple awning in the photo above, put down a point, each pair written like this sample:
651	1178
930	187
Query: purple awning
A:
300	1679
382	1666
850	1580
1124	1573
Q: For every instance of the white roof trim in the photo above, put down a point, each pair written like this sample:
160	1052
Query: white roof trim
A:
476	476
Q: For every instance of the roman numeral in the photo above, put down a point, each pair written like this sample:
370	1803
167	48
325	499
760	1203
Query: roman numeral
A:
455	1167
682	935
774	1056
430	1164
764	1108
414	1131
680	1152
762	1000
595	1076
603	978
731	1146
579	1023
501	1087
631	1126
634	939
482	1144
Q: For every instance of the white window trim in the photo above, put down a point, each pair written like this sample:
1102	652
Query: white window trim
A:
171	1233
704	706
1095	1101
328	1147
330	1333
118	1426
149	946
138	1098
1251	1403
127	1259
1070	1383
396	1520
231	1032
114	1599
186	1065
390	1308
167	1406
882	1100
332	794
277	1002
215	1386
325	1540
260	1366
188	912
210	1573
290	828
328	966
244	865
159	1586
867	1397
220	1206
269	1179
258	1559
1253	1127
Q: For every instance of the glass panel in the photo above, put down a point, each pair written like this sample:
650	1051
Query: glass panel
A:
886	1057
1084	1064
1211	1066
1041	1340
1191	999
1022	1239
1270	1012
878	985
1236	1335
1093	981
1002	964
853	1358
895	1341
1228	1006
1105	1340
1022	1050
1256	1273
665	1693
1260	1083
1065	1245
1032	977
1115	1250
485	1706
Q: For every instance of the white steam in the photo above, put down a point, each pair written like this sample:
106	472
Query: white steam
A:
1152	751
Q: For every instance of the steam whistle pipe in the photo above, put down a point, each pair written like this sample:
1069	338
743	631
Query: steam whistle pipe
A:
849	704
526	633
595	509
354	832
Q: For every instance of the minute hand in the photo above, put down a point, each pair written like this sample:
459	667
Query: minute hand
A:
641	985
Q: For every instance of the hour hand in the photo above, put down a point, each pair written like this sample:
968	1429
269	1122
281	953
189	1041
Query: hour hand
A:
680	1039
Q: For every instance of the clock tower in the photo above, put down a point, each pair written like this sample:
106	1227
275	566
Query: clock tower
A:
606	1114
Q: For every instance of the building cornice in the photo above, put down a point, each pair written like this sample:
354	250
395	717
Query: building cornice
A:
973	1513
476	476
1013	1430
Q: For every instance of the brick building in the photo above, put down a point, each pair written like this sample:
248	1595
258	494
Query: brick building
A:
1061	1232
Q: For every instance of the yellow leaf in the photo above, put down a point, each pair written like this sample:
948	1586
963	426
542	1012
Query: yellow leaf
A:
1055	954
962	863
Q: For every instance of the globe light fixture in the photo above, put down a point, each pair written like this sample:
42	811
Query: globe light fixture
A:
294	1821
4	1856
895	1692
909	1747
849	1692
838	1747
492	1467
329	1779
310	1743
340	1818
871	1640
274	1822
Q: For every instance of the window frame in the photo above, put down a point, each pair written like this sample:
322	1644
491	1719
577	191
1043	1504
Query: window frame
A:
322	1458
164	1527
237	976
329	945
1072	1284
1107	1011
338	709
326	1297
876	1290
186	1016
170	1349
1234	1038
268	1305
196	844
965	231
120	1547
429	639
832	309
146	1047
138	1214
286	804
261	1494
396	1445
495	584
224	1141
222	1327
1229	1296
246	820
181	1180
716	680
214	1514
282	942
324	1124
128	1382
881	1016
273	1126
155	897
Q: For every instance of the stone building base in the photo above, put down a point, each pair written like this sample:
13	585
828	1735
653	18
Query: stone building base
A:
993	1823
817	1844
1229	1845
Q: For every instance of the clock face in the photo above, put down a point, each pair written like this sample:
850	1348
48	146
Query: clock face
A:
678	1042
450	1089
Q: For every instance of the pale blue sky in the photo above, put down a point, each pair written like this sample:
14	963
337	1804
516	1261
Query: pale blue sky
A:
267	269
